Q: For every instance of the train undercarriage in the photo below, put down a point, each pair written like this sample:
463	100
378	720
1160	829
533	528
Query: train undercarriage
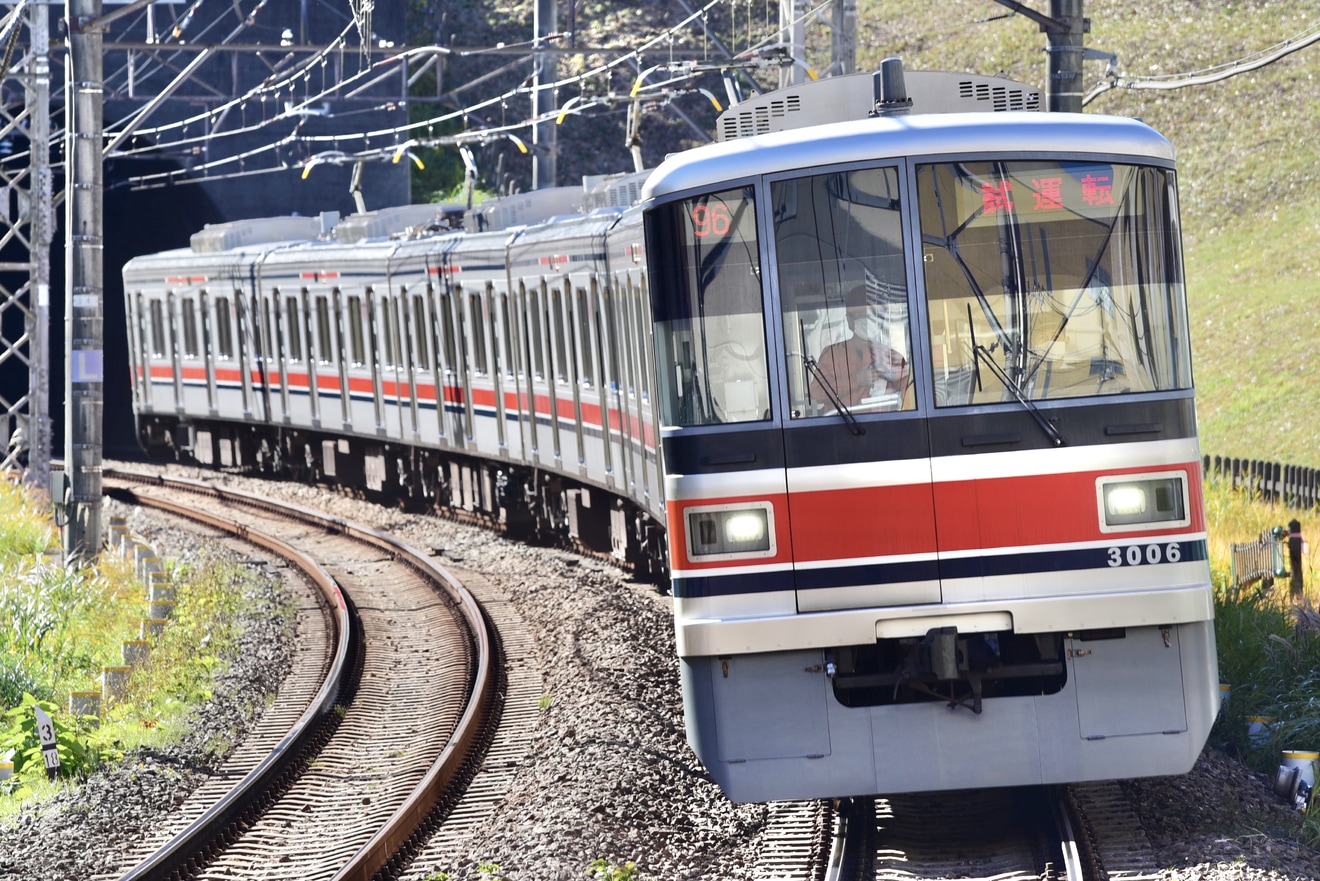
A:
527	503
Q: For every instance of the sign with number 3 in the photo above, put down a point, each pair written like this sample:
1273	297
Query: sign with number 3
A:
49	749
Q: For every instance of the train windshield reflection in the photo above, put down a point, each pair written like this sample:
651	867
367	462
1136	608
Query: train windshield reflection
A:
709	322
1063	278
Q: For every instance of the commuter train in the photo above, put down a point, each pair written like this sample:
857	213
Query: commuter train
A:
896	391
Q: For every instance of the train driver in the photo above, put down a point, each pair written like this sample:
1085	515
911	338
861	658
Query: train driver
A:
862	370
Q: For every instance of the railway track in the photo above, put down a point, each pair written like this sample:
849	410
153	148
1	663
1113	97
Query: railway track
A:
1086	832
391	726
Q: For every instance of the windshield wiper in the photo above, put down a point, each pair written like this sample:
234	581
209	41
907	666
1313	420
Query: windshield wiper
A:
814	369
981	353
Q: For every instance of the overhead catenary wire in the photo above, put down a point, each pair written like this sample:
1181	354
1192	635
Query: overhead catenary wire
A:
294	110
1206	76
300	108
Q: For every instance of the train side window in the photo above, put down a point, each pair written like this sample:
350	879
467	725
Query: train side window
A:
557	299
324	346
843	291
422	351
607	337
277	323
586	346
447	333
535	310
625	325
709	318
477	319
264	342
254	322
639	310
189	308
157	328
224	329
295	336
357	349
506	334
394	305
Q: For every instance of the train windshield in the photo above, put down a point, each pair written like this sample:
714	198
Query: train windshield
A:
709	322
844	292
1049	279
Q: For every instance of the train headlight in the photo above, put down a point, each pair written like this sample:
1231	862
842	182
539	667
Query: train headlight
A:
730	531
1143	501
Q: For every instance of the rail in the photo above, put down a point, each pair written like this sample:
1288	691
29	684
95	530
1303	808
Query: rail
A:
392	840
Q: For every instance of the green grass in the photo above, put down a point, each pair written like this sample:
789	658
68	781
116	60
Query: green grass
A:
59	627
23	531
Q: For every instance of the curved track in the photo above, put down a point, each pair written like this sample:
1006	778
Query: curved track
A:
400	721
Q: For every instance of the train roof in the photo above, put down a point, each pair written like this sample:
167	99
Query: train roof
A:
1021	132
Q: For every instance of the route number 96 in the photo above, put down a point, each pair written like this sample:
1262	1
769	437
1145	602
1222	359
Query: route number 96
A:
1136	555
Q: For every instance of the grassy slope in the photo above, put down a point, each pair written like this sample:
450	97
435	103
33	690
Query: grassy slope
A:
1249	154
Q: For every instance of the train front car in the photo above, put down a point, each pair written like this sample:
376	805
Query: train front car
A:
932	476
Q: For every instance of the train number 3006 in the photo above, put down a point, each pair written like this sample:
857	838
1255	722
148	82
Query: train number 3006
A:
1135	555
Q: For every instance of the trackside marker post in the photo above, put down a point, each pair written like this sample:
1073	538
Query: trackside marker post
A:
49	751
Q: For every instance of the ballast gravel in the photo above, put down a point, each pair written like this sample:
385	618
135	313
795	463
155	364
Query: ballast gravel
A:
609	775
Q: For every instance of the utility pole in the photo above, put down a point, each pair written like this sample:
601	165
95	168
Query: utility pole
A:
1065	54
843	38
42	205
84	365
1064	29
793	34
544	140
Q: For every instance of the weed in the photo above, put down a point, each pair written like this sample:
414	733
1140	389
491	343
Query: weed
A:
604	870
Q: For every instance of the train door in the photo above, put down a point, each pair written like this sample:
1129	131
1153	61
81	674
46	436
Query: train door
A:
329	349
492	333
175	355
248	352
435	370
279	354
603	344
208	346
376	358
241	353
547	362
295	380
479	361
344	358
450	397
306	322
626	345
506	374
856	448
466	355
413	307
357	369
648	467
155	349
524	321
193	357
572	378
136	349
269	353
394	367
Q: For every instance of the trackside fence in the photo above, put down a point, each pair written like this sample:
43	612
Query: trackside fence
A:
1290	485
